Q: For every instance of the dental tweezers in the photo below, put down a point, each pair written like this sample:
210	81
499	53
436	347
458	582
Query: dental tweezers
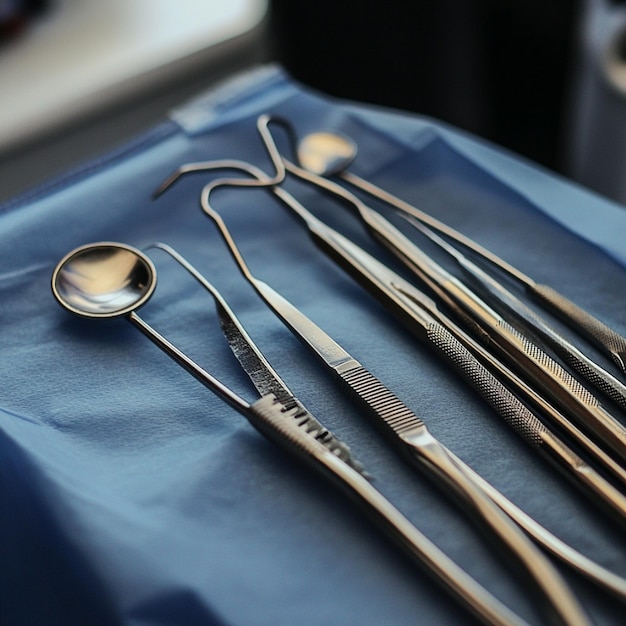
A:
553	380
389	410
600	334
283	419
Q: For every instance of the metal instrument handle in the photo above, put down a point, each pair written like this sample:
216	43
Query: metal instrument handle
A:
603	381
268	417
431	455
594	572
580	320
596	331
577	401
363	386
524	422
527	319
514	412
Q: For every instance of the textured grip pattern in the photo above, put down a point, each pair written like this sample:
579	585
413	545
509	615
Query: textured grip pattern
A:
595	377
601	334
267	382
548	364
281	424
364	386
290	407
508	406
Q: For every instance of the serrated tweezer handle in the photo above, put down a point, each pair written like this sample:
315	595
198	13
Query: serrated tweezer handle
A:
271	419
365	388
398	418
422	447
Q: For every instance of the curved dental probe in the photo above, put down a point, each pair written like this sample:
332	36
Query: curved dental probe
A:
514	412
109	280
548	375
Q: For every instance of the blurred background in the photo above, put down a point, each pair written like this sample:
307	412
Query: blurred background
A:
499	68
546	80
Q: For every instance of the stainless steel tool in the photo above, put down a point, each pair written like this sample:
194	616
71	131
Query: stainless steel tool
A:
328	154
105	280
108	279
411	434
529	321
545	373
389	410
402	300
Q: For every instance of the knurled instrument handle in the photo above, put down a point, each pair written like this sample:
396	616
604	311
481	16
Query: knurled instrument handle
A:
596	331
576	400
514	412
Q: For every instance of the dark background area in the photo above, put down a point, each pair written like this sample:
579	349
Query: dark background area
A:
500	69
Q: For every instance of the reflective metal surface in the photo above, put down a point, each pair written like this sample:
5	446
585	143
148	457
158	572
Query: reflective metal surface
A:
326	153
549	377
422	447
103	280
419	312
287	423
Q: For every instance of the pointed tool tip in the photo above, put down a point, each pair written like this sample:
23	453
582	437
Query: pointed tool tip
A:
166	184
160	189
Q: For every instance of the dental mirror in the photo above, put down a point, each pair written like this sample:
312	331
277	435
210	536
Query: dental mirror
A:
103	280
325	153
109	280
